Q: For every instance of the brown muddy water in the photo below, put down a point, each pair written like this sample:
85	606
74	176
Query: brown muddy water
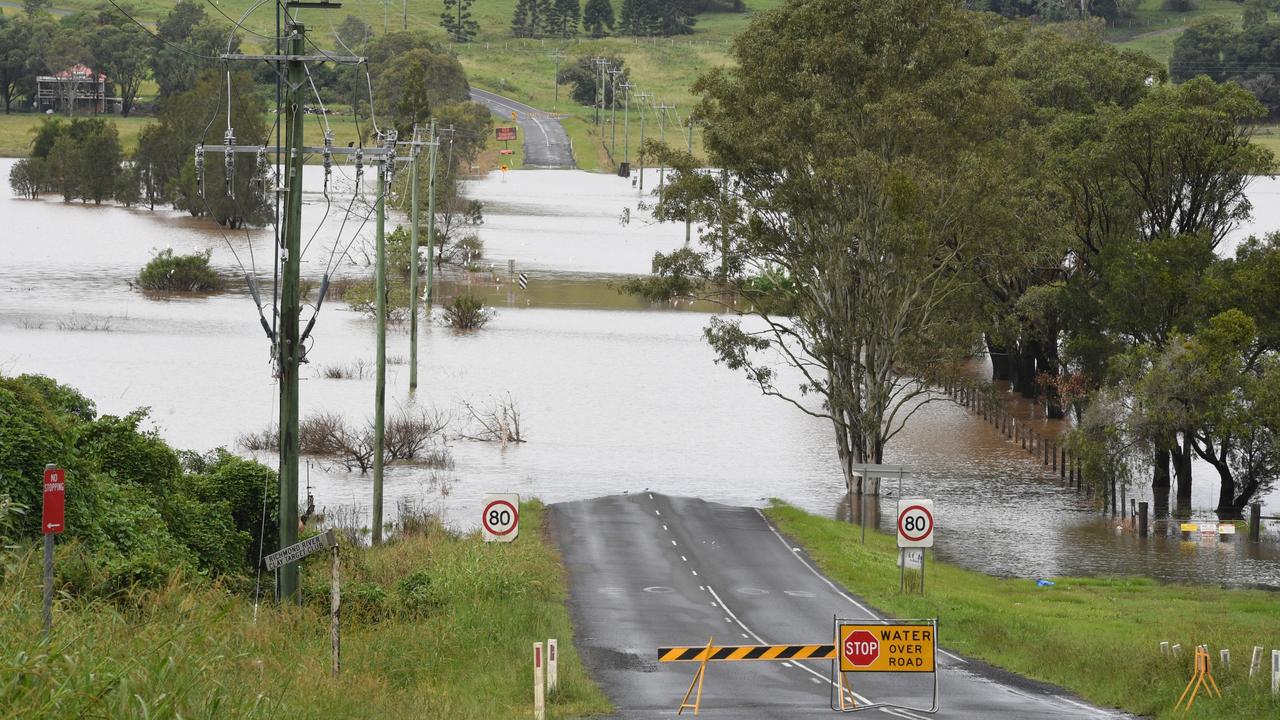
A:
616	395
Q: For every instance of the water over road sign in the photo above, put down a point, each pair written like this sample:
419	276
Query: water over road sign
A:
888	648
55	497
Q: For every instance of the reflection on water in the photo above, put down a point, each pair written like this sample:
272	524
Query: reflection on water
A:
616	395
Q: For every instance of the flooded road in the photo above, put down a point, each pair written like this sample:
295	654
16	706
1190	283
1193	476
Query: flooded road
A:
615	395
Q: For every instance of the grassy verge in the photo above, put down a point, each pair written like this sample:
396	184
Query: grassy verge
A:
1096	636
433	624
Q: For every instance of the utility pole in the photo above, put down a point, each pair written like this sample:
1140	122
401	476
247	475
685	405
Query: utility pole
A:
687	224
416	151
556	57
626	125
662	138
385	169
288	341
600	65
644	99
431	215
613	109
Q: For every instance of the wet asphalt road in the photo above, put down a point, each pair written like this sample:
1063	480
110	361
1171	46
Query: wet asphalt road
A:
546	144
649	570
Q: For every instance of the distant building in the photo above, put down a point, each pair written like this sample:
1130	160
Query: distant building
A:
77	87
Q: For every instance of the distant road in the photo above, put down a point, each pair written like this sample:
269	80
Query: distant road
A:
648	570
18	5
546	144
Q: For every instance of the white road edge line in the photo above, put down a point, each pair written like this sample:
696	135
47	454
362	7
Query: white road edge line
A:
823	678
823	578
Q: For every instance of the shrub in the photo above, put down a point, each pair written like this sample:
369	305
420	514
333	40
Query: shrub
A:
132	455
466	312
180	273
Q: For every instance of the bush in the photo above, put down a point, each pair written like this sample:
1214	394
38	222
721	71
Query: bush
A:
466	312
180	273
132	455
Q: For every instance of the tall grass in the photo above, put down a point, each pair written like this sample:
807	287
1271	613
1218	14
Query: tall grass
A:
449	639
1096	636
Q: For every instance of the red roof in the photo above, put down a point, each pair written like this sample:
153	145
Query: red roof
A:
79	70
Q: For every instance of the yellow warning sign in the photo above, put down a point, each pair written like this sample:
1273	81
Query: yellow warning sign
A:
503	168
888	648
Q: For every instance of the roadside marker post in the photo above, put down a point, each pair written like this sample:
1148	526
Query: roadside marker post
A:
52	522
1224	657
552	674
1256	663
539	699
1164	648
1275	672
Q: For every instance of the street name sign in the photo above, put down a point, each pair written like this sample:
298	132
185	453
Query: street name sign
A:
500	517
911	558
55	501
915	523
299	550
888	648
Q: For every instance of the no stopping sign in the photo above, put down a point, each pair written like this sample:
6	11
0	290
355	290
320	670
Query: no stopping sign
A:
500	517
915	522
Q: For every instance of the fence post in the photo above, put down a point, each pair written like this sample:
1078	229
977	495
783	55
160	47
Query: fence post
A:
1142	519
1255	521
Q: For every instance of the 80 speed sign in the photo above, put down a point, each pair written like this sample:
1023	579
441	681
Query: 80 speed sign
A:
500	517
915	523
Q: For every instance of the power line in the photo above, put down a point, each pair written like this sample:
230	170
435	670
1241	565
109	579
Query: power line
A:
153	34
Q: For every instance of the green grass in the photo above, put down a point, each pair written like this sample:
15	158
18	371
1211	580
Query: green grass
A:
462	651
1096	636
1154	29
17	130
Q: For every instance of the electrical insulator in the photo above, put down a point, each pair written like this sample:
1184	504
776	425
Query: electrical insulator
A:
261	168
229	159
359	163
328	156
200	169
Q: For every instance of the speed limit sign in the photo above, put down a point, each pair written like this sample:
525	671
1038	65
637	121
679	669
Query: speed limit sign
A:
500	517
915	523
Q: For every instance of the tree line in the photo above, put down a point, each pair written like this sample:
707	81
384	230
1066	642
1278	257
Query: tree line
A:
1247	55
104	40
413	81
562	18
905	185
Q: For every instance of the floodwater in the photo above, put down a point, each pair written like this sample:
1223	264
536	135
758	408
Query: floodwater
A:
615	395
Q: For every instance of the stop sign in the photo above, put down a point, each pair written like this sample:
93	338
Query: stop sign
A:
861	648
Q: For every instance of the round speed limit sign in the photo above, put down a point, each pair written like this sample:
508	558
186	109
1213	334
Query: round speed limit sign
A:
915	522
500	517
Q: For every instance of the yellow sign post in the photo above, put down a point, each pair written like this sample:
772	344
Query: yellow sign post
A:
885	646
1201	677
698	678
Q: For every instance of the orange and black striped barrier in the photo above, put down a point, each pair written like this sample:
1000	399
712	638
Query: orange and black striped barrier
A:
710	652
726	653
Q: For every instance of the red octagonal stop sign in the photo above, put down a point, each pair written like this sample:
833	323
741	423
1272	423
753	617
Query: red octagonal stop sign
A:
860	648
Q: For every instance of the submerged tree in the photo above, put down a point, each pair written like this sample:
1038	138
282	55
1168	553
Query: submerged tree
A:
852	138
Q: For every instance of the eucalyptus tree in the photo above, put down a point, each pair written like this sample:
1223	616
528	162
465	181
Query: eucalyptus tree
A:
861	154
